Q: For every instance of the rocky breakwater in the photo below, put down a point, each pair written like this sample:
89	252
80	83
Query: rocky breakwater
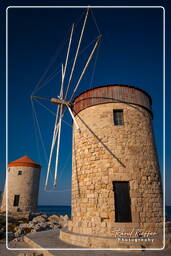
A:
18	227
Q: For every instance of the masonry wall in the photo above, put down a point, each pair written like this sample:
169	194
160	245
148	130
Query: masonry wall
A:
25	185
103	153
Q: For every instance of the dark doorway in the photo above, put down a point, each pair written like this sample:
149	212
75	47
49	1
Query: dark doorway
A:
122	201
16	200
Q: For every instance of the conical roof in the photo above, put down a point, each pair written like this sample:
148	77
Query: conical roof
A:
24	161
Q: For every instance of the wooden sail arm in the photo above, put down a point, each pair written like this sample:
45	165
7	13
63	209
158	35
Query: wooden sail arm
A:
59	101
40	98
53	100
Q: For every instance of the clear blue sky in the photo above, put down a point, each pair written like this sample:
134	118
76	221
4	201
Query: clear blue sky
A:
130	53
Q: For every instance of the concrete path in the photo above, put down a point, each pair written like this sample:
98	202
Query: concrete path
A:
50	239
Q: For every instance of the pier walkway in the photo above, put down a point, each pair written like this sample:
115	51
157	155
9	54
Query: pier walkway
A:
50	239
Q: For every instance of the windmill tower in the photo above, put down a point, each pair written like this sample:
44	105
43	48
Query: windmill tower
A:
23	186
116	185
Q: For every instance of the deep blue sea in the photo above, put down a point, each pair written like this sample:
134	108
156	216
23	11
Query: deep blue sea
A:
63	210
168	212
55	209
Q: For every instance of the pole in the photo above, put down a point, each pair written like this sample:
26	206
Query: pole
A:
78	128
85	68
55	132
76	55
59	130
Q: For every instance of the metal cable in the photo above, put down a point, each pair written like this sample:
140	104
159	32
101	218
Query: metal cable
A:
59	69
40	134
50	111
95	21
36	137
41	104
58	51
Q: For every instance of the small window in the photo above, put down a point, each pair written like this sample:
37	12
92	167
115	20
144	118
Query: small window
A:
20	172
16	200
118	117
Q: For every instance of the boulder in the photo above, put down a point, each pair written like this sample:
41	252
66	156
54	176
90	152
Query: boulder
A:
11	235
38	223
25	225
23	230
34	214
45	216
54	226
65	217
63	220
38	219
41	226
18	233
54	218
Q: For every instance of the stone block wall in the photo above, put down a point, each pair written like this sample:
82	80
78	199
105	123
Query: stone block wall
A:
103	153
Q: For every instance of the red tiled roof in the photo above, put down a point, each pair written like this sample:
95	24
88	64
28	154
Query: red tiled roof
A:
24	161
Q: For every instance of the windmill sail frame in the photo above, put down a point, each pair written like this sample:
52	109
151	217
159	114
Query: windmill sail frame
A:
62	104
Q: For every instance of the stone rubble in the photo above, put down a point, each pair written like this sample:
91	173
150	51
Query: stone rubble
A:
42	222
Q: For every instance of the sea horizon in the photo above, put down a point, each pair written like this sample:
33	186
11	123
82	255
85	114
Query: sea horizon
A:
66	210
39	205
55	209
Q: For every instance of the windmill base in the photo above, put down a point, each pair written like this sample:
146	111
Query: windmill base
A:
89	241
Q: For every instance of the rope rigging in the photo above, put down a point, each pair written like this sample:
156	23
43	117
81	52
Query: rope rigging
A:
50	111
53	59
37	128
40	133
43	81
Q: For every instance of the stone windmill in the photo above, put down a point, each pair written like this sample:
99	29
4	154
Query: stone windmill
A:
116	186
22	186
